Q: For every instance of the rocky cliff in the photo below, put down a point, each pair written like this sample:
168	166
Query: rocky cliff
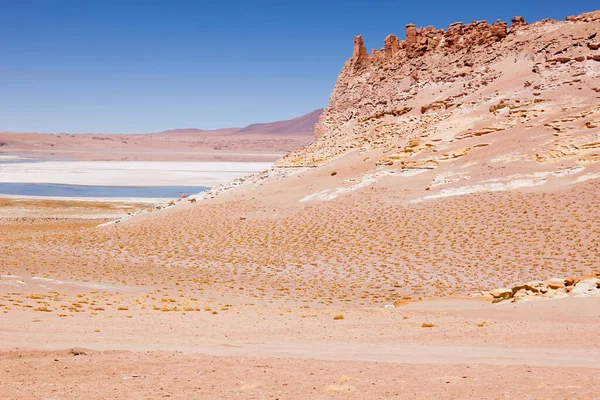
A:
437	86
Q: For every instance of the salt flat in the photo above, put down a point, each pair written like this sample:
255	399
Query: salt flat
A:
129	173
10	157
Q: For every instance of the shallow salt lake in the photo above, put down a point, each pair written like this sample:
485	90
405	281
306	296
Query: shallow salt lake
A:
118	179
53	190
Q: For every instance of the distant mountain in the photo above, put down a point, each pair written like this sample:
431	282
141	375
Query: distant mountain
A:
304	124
256	142
191	131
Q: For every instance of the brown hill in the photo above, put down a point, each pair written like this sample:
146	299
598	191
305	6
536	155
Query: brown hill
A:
301	125
197	131
256	142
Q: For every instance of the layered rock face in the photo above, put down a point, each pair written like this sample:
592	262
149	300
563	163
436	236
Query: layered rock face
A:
411	89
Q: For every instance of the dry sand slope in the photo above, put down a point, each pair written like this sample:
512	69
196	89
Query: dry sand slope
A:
448	164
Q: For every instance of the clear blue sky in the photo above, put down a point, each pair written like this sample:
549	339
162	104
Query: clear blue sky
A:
144	66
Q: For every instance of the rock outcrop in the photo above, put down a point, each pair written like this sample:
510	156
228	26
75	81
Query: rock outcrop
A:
437	74
517	23
546	290
360	57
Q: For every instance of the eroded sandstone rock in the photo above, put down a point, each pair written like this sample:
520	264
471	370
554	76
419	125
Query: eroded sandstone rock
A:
360	58
585	17
391	45
501	294
551	289
397	92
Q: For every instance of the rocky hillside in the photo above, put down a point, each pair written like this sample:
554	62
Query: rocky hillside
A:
417	97
452	162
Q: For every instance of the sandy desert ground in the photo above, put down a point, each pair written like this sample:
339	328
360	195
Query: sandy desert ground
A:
360	266
243	302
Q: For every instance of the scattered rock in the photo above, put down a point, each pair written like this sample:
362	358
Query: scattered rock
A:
593	46
77	352
561	60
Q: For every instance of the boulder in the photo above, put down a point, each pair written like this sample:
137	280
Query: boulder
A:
593	46
499	30
561	60
518	21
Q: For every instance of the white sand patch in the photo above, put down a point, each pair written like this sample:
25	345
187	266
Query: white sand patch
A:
129	173
54	284
330	194
50	283
369	179
11	280
12	283
487	187
503	184
588	177
586	287
39	278
567	171
448	178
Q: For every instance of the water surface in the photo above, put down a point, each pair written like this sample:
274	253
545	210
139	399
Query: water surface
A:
52	190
